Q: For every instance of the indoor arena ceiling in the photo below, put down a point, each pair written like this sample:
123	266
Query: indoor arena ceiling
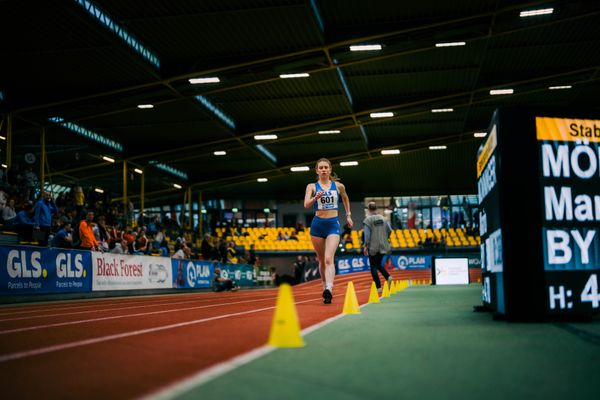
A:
78	70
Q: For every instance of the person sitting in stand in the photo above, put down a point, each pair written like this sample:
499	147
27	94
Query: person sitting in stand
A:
221	284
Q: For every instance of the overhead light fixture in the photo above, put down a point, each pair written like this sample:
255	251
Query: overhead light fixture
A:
262	180
4	166
532	13
266	210
139	171
442	110
299	169
365	47
386	114
348	163
220	153
265	137
560	87
111	160
203	211
98	190
298	75
480	134
390	152
495	92
2	138
176	186
450	44
437	147
142	106
234	210
212	79
330	132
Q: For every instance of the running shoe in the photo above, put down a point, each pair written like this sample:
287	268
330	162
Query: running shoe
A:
389	280
327	296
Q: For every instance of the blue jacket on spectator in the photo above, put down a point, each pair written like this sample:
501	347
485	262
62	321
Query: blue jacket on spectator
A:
43	213
22	218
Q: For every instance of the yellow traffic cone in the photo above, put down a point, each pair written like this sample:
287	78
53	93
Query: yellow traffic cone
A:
285	328
386	290
394	288
373	296
351	302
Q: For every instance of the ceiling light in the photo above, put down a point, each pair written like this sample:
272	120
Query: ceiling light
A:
299	75
105	158
262	180
480	134
531	13
139	171
265	137
98	190
330	132
176	186
437	147
266	210
348	163
390	152
450	44
365	47
234	210
560	87
300	169
2	138
440	110
494	92
381	114
4	166
212	79
203	211
220	153
145	106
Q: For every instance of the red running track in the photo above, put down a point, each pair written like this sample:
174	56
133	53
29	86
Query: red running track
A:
127	347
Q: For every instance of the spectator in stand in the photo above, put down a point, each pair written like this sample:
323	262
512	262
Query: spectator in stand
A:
140	246
42	221
231	253
251	255
223	247
61	200
63	238
86	233
30	179
8	212
23	223
79	198
206	247
101	233
183	252
120	247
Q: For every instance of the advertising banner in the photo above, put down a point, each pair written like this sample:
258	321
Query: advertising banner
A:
31	270
352	264
411	262
241	274
451	271
125	272
192	274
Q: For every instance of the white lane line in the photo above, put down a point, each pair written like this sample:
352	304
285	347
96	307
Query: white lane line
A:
31	328
245	294
206	375
80	343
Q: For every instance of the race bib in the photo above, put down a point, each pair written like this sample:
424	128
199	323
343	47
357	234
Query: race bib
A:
328	201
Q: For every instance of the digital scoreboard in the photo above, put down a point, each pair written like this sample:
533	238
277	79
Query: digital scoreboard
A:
538	177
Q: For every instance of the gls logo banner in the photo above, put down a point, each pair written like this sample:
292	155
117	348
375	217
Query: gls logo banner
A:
42	270
352	264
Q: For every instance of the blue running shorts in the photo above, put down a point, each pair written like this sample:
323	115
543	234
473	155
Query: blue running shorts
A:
323	227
